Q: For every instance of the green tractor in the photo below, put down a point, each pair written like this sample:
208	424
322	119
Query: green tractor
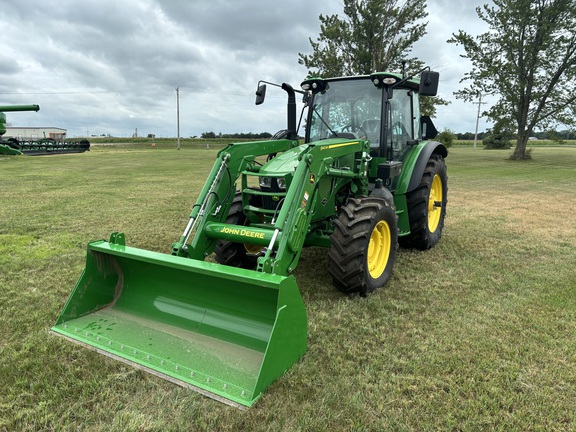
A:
365	178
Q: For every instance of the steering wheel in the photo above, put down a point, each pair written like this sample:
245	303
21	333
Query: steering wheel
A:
354	129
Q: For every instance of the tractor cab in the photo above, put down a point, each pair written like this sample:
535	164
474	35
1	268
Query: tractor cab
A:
383	108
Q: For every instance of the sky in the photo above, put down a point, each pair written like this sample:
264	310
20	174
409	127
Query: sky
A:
99	67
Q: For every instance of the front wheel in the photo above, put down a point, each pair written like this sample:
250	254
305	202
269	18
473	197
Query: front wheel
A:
364	245
427	206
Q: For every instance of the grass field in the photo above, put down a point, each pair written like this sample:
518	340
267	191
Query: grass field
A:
478	333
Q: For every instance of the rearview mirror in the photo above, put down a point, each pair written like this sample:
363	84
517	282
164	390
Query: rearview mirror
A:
429	83
260	94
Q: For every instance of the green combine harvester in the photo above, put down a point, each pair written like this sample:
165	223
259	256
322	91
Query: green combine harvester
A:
10	147
33	147
366	178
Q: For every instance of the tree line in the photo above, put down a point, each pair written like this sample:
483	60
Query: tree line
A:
249	135
550	135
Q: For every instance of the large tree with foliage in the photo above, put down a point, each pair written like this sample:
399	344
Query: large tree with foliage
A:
527	59
373	35
370	36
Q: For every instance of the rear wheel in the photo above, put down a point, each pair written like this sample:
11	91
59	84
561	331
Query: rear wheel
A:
242	255
363	245
427	206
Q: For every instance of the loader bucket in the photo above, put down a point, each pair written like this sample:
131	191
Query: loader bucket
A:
225	332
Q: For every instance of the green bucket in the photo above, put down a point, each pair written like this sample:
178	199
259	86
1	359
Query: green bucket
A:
225	332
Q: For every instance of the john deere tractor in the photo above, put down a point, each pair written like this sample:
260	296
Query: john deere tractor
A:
365	178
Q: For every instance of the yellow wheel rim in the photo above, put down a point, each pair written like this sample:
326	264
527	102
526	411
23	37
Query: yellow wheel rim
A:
379	249
252	249
435	201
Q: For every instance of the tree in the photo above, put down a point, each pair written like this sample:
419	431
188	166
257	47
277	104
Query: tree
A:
373	36
446	137
500	136
528	59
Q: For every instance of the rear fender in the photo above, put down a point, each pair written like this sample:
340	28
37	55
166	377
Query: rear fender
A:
415	164
412	172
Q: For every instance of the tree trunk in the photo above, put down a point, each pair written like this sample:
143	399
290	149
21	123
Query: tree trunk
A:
520	150
524	131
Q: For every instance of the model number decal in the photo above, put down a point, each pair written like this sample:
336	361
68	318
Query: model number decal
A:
333	146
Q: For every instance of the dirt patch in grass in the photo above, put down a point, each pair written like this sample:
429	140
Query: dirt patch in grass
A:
525	212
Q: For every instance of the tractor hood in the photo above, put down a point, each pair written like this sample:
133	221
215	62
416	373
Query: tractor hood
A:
287	161
284	163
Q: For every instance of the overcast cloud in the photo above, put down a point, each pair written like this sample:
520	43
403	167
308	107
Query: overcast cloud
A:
111	67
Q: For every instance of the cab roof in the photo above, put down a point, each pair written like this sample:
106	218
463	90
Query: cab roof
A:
378	78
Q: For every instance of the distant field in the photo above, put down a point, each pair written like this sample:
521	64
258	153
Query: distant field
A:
477	334
166	143
531	143
220	142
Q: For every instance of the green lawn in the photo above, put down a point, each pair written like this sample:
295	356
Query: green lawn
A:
478	333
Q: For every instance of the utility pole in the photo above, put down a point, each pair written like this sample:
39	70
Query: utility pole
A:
178	114
480	103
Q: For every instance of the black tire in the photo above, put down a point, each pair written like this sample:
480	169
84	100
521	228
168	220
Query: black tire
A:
426	209
13	142
236	254
355	263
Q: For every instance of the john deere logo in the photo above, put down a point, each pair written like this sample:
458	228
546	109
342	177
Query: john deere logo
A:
312	179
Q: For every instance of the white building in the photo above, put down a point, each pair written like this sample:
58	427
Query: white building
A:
27	133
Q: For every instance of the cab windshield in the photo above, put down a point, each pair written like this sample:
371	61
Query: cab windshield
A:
347	108
352	108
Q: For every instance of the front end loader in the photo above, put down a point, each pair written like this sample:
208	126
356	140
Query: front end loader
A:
365	178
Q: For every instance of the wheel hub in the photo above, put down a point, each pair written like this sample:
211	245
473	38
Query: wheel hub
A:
435	203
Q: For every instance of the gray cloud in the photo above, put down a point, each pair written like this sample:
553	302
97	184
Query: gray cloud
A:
112	66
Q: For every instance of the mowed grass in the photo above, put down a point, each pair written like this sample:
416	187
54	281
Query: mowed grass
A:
478	333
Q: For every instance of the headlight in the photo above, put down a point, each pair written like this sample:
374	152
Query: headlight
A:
265	182
281	183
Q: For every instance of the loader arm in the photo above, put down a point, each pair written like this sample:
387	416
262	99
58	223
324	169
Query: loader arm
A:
292	225
216	196
284	237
